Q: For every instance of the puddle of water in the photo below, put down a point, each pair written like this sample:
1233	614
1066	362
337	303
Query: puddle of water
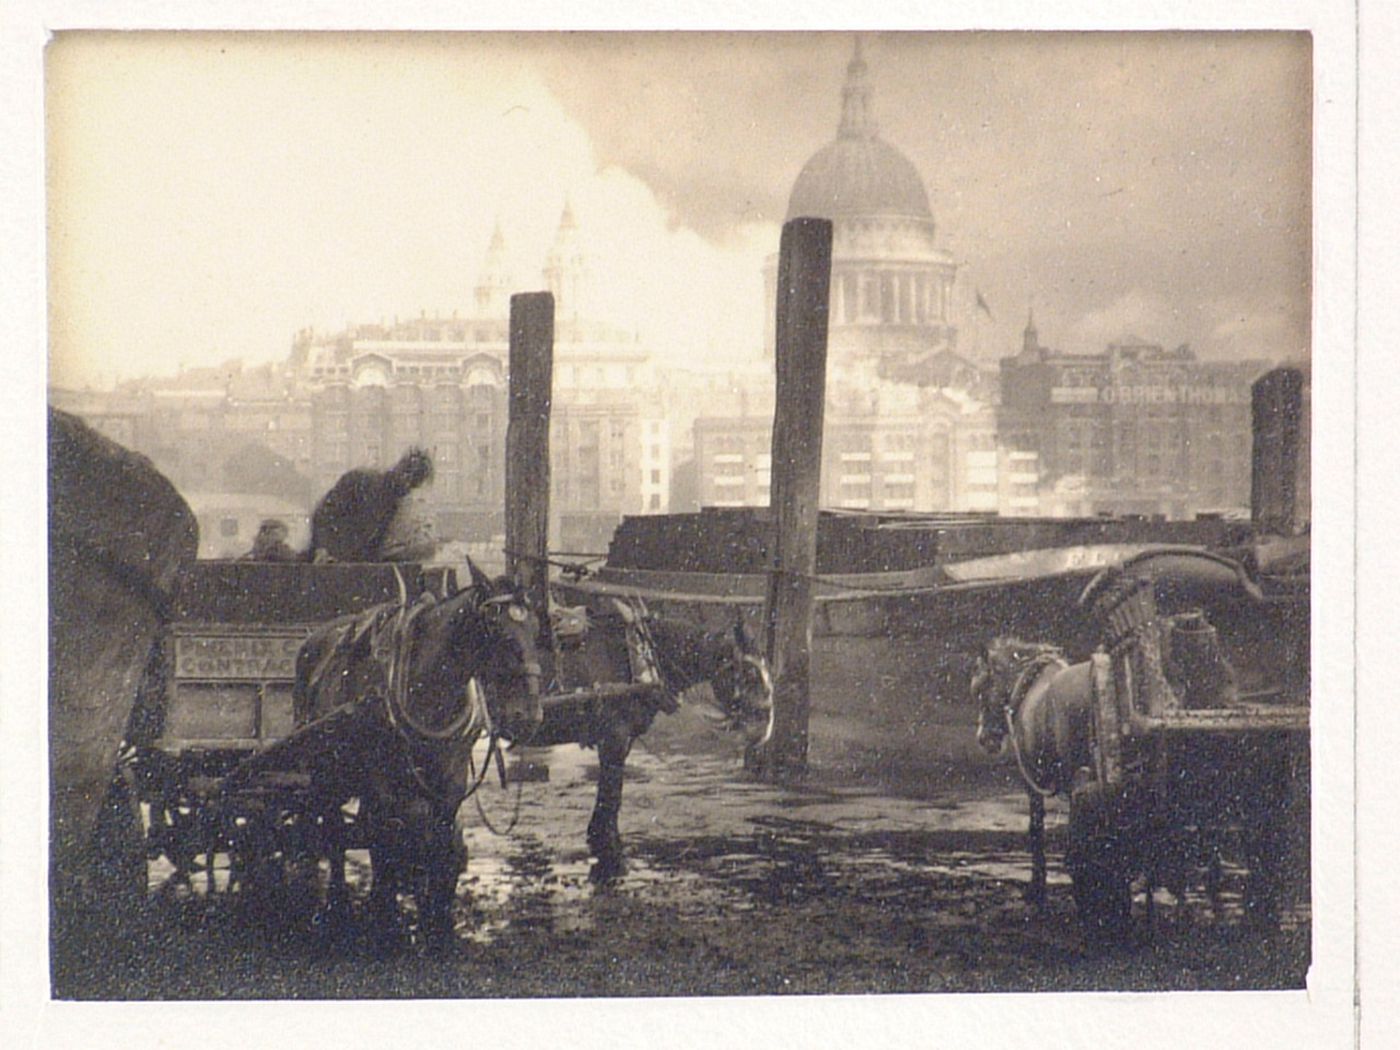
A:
703	840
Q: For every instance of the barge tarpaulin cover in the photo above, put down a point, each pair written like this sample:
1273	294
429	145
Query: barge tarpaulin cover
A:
118	536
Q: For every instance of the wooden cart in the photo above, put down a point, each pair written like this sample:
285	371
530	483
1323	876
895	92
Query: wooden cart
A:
214	764
1200	740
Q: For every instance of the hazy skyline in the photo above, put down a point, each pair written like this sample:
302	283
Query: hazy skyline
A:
210	194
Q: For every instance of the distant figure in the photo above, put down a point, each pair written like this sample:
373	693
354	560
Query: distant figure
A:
270	544
362	517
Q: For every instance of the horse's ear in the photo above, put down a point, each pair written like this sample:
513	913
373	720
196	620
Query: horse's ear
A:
480	581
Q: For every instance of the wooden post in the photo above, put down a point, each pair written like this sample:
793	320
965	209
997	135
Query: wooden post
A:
1279	497
804	286
527	443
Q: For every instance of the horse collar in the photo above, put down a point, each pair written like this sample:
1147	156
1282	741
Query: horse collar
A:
1029	673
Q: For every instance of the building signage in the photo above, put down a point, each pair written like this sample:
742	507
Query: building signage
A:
236	656
1149	394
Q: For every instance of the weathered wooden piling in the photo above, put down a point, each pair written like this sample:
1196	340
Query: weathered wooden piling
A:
527	442
804	285
1279	497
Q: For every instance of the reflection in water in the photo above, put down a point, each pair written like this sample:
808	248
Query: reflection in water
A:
705	841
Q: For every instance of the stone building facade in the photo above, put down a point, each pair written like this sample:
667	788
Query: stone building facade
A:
891	283
1137	429
362	396
442	384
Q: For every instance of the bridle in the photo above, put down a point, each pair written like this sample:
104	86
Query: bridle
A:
475	715
739	660
1028	673
742	659
676	677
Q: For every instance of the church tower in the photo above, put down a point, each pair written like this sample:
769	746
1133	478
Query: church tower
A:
566	270
1030	338
493	286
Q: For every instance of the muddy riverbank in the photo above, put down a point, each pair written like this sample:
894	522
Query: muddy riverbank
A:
896	866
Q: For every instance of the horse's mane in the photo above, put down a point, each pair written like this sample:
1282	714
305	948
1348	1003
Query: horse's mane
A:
1009	650
1008	656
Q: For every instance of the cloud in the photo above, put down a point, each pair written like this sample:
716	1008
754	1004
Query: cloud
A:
1138	312
690	299
213	195
1273	331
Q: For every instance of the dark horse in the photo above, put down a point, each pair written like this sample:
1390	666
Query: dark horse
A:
426	680
1027	693
627	665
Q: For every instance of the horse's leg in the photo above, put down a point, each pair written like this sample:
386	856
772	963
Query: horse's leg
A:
386	863
604	839
1035	891
1214	877
440	863
1151	901
331	832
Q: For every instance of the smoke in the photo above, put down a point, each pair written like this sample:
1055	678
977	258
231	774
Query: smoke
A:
211	195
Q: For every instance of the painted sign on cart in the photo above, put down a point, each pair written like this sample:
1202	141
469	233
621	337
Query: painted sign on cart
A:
231	656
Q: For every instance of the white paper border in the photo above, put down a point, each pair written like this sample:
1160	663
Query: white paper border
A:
1321	1017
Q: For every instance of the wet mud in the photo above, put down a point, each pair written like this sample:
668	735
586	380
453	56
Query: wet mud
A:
897	865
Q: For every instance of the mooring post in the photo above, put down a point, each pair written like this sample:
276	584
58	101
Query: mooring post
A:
527	443
804	286
1279	483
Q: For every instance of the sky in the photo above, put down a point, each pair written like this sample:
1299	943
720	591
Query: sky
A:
211	194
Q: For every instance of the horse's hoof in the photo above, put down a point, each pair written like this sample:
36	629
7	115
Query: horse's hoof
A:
437	934
331	919
607	868
605	846
385	931
386	939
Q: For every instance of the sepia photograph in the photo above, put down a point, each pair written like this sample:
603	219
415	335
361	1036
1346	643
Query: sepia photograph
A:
708	515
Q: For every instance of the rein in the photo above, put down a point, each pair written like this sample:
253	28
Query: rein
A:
397	694
1027	678
494	748
1043	792
475	716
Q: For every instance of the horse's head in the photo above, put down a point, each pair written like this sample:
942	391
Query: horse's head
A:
508	666
1000	676
991	717
741	682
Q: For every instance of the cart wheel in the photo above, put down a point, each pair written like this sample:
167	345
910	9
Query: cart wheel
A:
120	845
1264	847
1098	867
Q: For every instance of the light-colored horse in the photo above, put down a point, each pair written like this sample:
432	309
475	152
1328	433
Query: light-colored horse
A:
1027	694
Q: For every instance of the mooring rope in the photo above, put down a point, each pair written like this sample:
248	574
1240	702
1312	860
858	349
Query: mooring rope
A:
576	569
